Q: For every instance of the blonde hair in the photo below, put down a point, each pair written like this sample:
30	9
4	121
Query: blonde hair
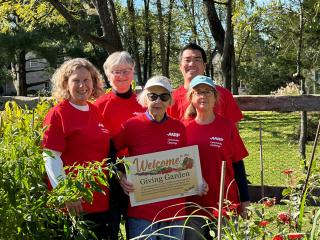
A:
61	75
117	58
191	111
142	96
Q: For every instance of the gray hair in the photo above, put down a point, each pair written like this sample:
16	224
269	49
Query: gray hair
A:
117	58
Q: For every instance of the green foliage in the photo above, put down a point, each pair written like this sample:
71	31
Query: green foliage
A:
23	192
266	38
27	209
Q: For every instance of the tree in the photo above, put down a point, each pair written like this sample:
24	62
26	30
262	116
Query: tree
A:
300	78
23	30
224	41
109	38
133	37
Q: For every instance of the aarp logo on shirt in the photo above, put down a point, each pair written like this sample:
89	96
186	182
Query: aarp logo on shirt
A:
216	141
173	138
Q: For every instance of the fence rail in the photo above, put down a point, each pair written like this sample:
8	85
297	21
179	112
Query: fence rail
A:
246	102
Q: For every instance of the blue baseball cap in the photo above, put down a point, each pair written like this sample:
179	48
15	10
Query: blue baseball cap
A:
201	79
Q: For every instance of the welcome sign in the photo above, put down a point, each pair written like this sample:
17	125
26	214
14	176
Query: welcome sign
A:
165	175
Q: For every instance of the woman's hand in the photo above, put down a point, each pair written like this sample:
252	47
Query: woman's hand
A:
125	184
204	188
75	207
244	210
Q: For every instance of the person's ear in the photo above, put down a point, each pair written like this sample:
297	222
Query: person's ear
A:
65	84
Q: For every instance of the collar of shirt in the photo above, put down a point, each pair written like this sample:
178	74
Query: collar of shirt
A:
149	116
125	95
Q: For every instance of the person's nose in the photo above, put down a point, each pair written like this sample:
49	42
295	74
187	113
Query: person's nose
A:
82	83
158	100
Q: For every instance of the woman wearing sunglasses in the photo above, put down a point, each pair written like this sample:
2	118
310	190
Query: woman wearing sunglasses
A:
147	133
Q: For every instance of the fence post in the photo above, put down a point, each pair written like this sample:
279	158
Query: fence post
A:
261	161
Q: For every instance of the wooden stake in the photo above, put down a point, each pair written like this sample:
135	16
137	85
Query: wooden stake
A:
261	162
305	187
221	198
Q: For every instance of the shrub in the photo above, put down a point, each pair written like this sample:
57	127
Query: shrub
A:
312	124
27	209
291	89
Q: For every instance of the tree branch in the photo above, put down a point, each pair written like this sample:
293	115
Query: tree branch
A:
80	28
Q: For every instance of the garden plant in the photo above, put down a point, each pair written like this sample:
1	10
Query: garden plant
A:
29	211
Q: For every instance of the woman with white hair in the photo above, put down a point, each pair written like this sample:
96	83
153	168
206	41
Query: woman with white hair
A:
116	107
147	133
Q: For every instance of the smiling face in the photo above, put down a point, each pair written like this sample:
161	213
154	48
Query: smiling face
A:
203	98
191	65
120	77
80	86
157	108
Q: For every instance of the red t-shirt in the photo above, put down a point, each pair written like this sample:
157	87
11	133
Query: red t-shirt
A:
141	135
226	106
116	110
217	142
81	137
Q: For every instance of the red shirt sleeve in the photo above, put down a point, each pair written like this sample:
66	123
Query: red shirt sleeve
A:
53	137
227	106
239	149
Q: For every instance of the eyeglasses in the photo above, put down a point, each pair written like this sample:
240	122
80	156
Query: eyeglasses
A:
121	72
163	96
204	93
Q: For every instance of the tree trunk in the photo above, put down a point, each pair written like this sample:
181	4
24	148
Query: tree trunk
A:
161	39
147	36
226	61
234	79
224	42
110	40
303	119
169	37
150	57
133	34
19	72
215	24
193	26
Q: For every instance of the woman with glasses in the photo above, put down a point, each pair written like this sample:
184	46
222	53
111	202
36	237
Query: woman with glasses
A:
147	133
116	107
218	140
75	135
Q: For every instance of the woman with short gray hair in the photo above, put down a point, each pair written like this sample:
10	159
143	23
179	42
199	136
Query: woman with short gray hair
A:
117	106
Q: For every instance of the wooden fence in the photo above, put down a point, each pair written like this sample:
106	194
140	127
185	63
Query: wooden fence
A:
246	102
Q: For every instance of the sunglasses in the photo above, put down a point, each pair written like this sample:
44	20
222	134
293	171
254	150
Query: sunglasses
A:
163	97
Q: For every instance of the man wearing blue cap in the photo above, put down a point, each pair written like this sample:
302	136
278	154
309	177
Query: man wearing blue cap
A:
192	63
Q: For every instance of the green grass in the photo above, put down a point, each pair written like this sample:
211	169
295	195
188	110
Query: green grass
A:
280	149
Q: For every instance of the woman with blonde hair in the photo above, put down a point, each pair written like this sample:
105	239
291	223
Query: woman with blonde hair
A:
218	140
75	135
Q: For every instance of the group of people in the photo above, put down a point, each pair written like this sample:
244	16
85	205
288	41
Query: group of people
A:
89	125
